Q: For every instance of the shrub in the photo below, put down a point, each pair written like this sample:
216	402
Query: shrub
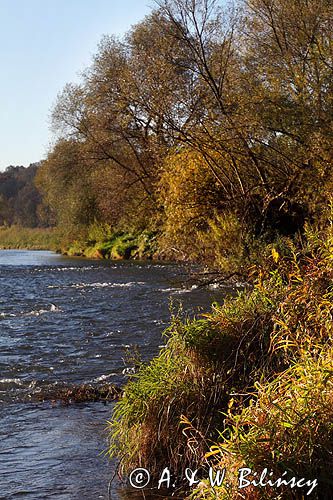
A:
203	360
287	426
99	232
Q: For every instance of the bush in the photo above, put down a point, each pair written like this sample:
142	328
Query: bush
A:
99	232
203	360
287	424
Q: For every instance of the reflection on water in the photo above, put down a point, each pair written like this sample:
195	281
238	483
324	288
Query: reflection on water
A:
69	321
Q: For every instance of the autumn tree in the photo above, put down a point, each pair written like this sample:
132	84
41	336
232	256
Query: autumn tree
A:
201	113
265	87
65	181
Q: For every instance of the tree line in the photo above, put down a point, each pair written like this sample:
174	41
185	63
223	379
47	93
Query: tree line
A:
210	122
20	201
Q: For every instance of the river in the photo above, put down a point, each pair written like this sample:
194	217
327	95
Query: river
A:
65	321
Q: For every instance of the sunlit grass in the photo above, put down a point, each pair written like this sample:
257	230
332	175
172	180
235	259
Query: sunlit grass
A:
16	237
247	385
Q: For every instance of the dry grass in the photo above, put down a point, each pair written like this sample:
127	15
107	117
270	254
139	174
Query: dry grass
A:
251	381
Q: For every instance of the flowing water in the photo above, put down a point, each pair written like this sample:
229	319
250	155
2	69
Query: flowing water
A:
68	321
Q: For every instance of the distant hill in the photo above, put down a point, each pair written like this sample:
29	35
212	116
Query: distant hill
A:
20	201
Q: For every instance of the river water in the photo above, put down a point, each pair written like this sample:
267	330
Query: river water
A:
65	321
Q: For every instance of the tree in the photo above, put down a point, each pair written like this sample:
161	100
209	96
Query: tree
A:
19	198
244	90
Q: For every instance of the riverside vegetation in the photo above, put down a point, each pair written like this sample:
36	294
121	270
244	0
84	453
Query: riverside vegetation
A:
205	134
248	385
100	242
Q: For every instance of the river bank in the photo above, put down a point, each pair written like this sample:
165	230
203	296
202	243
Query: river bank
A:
244	387
26	238
269	343
97	243
120	245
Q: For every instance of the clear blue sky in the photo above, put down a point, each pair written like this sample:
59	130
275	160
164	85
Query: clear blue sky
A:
43	45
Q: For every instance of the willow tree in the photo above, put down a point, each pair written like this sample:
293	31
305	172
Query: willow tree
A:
263	72
289	61
245	90
118	116
65	182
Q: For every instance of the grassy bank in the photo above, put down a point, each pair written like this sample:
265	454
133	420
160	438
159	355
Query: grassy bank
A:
16	237
96	242
248	385
102	243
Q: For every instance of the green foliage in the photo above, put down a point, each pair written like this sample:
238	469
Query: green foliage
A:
198	334
30	238
99	232
145	423
123	246
100	242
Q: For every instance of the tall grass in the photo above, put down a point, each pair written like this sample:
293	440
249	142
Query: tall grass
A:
30	238
249	384
286	427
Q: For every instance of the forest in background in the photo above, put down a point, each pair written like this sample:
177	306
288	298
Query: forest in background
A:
20	201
